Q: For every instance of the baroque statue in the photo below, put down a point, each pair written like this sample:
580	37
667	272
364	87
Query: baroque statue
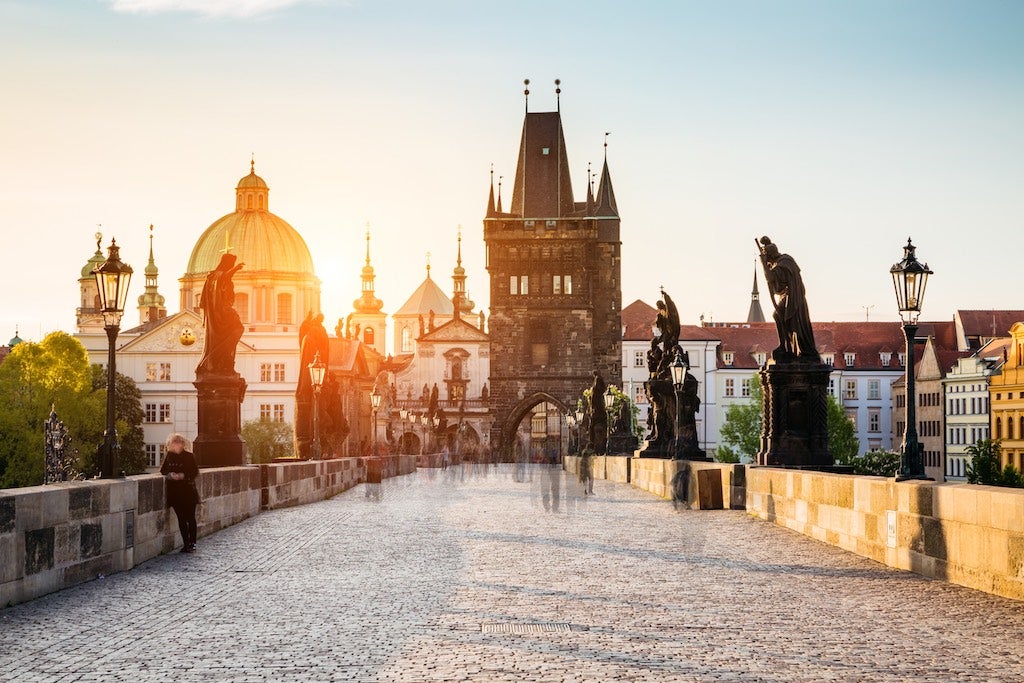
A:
223	325
792	319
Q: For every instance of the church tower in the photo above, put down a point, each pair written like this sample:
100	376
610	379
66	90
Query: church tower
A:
755	314
369	310
151	302
554	266
88	318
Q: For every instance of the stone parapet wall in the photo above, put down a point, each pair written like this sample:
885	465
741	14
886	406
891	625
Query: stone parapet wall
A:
965	534
712	485
55	536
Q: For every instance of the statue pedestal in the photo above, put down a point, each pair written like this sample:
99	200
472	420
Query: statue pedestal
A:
219	442
794	432
303	439
621	443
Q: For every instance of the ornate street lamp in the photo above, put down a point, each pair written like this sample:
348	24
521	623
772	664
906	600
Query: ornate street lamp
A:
403	415
909	278
570	421
375	399
317	371
678	368
609	401
112	278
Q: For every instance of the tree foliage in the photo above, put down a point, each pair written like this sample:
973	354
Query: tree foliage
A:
874	463
128	420
741	432
985	467
267	439
55	372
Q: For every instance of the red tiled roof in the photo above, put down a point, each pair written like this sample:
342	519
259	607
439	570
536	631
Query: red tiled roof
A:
637	319
866	340
979	323
943	331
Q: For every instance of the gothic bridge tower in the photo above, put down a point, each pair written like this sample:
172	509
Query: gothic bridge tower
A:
554	266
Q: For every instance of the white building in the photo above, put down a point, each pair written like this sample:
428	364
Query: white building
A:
965	391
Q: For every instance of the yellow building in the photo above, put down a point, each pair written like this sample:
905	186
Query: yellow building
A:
1006	398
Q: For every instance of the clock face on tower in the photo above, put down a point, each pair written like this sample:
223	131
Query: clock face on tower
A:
187	336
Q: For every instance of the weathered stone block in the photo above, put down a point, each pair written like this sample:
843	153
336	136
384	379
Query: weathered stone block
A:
91	539
39	545
6	514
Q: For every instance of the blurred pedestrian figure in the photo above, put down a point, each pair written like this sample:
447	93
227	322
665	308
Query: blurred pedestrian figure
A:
180	470
680	486
586	474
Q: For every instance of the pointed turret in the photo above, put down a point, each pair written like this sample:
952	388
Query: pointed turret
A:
151	302
490	197
606	205
755	315
460	302
590	191
542	187
367	301
498	210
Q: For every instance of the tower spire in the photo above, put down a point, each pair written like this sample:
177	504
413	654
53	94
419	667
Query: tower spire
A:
499	193
490	197
368	303
558	95
526	94
460	302
755	314
367	243
590	190
151	303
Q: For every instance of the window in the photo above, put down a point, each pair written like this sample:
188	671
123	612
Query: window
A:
903	359
150	413
849	359
556	284
727	357
164	412
406	340
264	372
368	336
278	372
264	411
851	415
874	420
745	387
539	344
567	284
284	309
828	359
730	387
760	357
278	412
524	284
999	428
832	386
639	395
874	389
155	454
242	306
157	412
513	285
639	359
158	372
886	358
850	390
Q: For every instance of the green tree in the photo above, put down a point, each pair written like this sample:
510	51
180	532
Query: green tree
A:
35	376
875	463
741	432
726	454
128	421
267	439
842	437
985	468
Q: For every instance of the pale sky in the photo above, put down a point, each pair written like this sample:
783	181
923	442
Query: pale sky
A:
838	129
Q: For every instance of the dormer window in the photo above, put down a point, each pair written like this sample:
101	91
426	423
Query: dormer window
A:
828	359
886	358
727	357
849	359
903	359
760	357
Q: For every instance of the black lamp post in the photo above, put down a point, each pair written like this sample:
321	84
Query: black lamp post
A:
112	278
609	401
403	414
909	278
436	421
317	371
678	368
375	399
570	421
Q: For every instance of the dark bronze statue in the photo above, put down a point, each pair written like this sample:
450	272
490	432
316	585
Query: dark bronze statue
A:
792	319
223	325
312	340
598	431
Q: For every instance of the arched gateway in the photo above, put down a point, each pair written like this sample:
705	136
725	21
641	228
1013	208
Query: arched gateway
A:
536	429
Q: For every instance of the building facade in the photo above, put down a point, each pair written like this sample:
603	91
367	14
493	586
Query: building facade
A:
1006	401
966	393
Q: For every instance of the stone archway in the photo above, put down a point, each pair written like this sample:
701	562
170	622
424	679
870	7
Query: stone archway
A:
544	438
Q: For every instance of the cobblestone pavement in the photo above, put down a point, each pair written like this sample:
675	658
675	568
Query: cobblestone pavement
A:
465	575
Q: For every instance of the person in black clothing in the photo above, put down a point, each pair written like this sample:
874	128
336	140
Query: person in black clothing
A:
180	470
